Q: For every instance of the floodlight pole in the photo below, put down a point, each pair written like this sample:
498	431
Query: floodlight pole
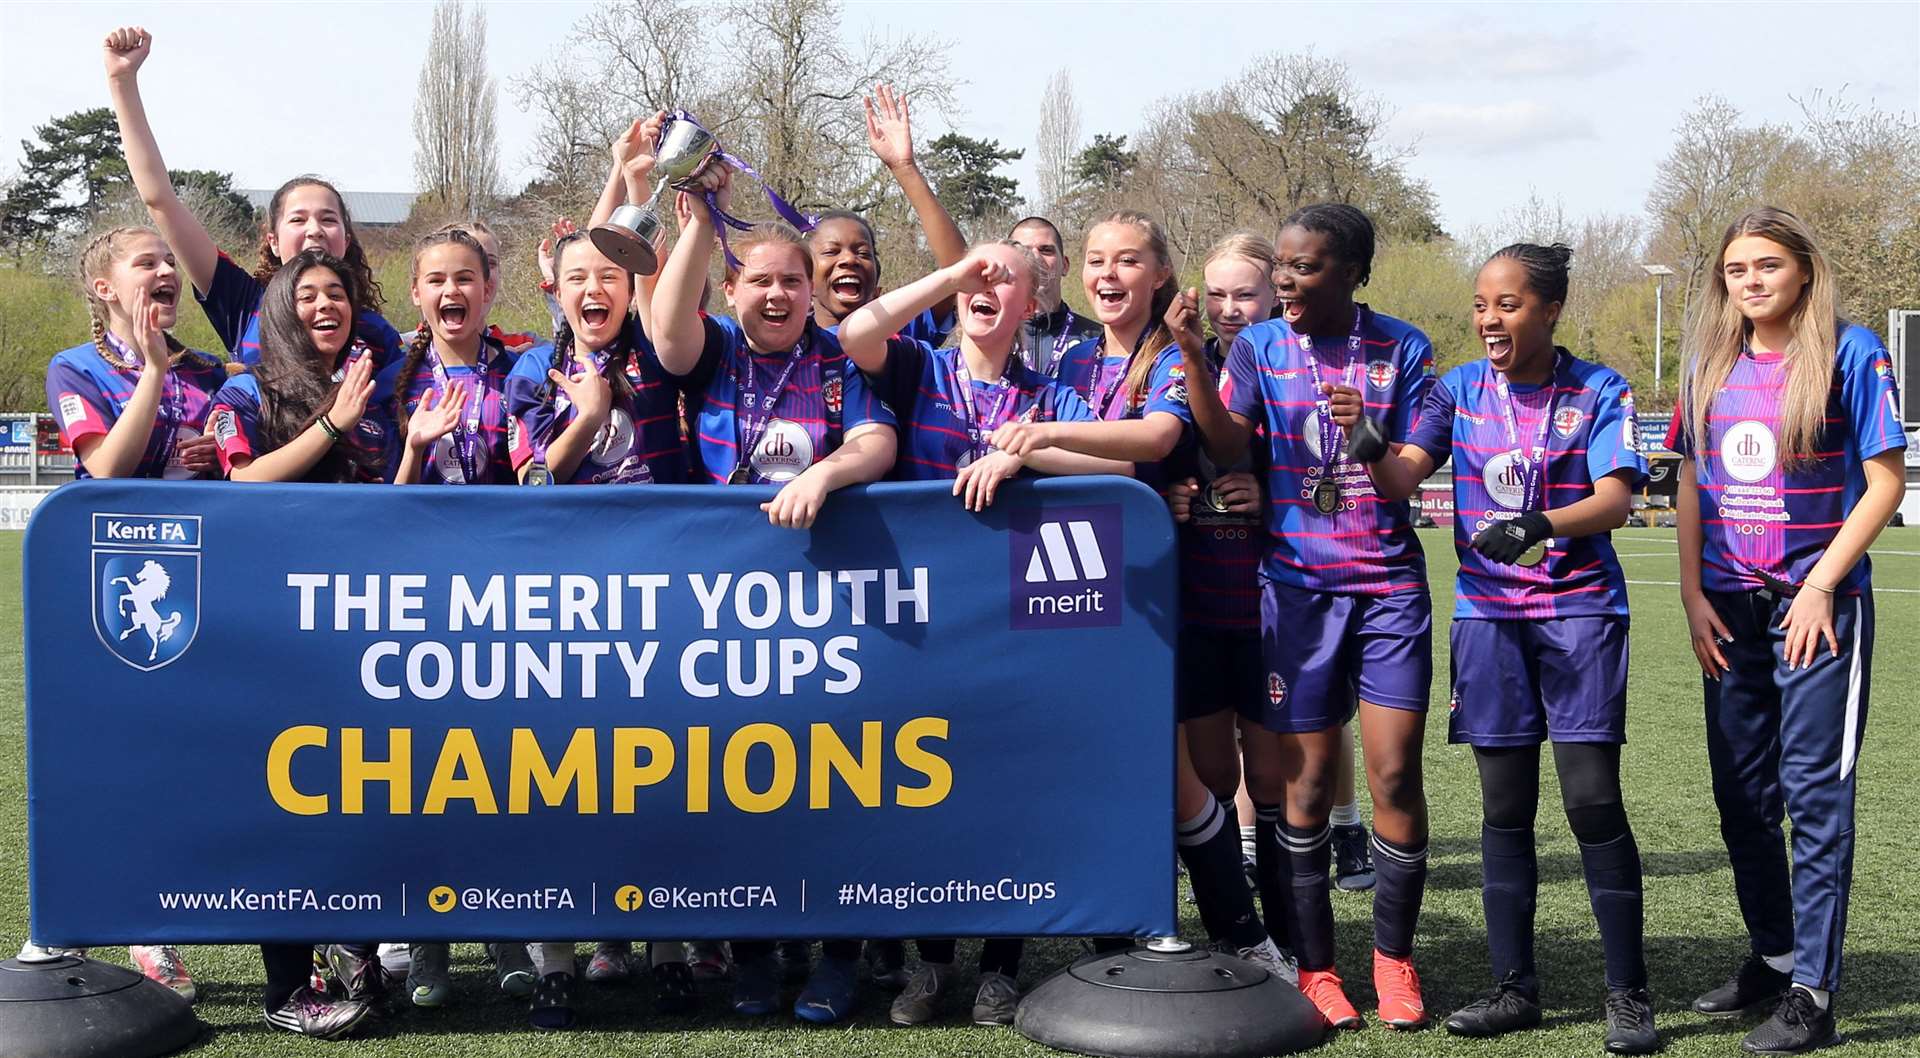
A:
1659	274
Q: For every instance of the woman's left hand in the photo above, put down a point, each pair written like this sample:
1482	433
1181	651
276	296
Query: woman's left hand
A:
797	503
1022	439
1809	618
980	479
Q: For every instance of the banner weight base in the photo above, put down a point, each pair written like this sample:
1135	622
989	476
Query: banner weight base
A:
79	1008
1168	1000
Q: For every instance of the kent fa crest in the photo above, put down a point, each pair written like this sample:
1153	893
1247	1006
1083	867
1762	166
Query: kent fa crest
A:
146	586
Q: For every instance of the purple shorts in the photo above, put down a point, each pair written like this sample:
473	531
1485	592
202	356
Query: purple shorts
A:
1219	669
1520	683
1326	652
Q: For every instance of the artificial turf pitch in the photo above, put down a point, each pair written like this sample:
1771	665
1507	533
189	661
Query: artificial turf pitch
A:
1694	935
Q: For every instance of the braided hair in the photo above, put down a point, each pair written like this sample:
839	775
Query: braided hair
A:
96	261
458	235
563	338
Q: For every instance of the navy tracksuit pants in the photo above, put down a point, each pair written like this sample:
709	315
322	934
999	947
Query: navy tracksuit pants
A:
1785	743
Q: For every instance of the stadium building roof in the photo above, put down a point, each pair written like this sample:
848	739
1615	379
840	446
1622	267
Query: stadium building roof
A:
376	208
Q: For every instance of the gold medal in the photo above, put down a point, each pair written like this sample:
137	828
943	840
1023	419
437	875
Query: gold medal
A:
740	476
1532	556
1216	502
1326	496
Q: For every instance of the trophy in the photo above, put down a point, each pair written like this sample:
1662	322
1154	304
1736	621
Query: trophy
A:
628	236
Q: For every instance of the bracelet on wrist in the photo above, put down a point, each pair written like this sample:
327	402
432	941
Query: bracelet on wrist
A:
327	427
1816	587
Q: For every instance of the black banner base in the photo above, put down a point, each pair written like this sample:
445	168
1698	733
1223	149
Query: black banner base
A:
1168	1000
79	1008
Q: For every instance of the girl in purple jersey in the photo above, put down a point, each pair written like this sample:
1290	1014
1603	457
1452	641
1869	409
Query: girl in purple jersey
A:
1132	378
304	413
1787	417
132	403
1544	465
448	395
306	213
1345	616
949	401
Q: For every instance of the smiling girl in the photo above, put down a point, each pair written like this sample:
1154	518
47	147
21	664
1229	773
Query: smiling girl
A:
453	376
1787	417
303	412
1544	466
846	265
306	213
1132	378
1345	619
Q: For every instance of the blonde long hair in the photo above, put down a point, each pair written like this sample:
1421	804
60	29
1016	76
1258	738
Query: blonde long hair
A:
1716	332
1247	246
1156	336
96	261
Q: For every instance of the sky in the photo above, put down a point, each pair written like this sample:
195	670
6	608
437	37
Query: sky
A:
1575	103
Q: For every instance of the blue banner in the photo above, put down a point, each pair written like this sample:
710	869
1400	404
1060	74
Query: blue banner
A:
299	712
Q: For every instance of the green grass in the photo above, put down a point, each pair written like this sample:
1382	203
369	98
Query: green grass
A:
1694	936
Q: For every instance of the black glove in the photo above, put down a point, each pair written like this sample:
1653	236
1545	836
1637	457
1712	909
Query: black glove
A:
1505	541
1366	442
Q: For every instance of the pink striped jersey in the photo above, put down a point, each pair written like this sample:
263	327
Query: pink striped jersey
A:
642	441
1367	545
922	386
479	457
823	398
87	394
1100	379
1591	433
1757	514
232	305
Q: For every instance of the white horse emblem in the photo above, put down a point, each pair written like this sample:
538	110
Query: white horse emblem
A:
143	590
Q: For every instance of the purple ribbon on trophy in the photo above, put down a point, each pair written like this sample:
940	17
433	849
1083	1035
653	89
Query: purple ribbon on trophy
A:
685	148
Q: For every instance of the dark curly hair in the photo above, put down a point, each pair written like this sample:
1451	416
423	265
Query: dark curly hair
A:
296	381
367	295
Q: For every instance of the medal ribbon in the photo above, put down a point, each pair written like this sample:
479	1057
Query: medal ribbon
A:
173	401
749	428
466	442
976	444
1535	464
1323	404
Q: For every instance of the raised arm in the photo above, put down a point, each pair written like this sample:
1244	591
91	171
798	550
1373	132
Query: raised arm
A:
890	134
126	48
1224	433
864	333
679	336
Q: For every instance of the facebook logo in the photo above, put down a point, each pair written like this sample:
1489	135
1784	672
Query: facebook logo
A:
1063	570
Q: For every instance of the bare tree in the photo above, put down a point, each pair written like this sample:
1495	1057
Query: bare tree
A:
456	157
1716	165
1057	141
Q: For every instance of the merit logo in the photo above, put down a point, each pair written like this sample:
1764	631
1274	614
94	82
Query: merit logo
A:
1064	568
146	586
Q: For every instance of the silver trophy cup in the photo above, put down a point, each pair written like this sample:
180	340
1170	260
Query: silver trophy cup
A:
628	236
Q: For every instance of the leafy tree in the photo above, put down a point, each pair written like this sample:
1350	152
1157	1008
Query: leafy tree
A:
961	170
1104	166
70	169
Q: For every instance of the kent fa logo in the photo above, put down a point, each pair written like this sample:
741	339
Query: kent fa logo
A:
146	586
1064	568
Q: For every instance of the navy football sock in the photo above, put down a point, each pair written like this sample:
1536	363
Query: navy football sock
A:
1510	881
1401	883
1211	851
1310	911
1270	873
1614	888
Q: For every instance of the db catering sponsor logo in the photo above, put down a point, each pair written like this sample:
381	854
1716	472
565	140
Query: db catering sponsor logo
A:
1748	451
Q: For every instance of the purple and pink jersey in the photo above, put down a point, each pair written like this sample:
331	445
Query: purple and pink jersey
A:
922	385
1100	380
1592	434
1367	545
232	305
234	421
88	395
1220	551
1759	515
481	457
823	398
642	440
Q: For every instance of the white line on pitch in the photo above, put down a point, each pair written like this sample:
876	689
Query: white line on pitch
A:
1876	590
